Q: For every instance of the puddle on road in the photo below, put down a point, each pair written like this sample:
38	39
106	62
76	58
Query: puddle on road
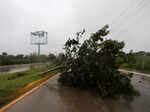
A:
74	100
18	68
13	70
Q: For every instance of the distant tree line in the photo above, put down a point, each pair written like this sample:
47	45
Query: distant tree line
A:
6	59
142	53
137	60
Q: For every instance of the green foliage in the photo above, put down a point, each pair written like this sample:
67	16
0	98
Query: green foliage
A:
6	59
94	64
11	83
141	63
52	57
20	74
60	59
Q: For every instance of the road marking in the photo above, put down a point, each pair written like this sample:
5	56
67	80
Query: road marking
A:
26	94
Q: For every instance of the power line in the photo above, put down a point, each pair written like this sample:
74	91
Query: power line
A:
127	24
125	12
125	15
134	12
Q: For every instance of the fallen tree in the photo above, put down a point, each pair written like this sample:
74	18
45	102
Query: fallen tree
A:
93	65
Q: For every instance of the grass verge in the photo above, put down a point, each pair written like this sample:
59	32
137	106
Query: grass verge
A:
142	64
14	85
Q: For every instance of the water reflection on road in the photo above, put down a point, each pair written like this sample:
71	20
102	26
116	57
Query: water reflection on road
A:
142	103
17	68
13	70
55	98
74	100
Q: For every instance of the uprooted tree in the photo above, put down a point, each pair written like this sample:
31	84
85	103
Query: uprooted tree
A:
93	65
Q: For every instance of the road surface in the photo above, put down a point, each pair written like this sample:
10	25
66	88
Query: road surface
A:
136	73
18	68
54	98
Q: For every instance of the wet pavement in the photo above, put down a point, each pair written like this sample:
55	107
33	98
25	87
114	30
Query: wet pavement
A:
54	98
18	68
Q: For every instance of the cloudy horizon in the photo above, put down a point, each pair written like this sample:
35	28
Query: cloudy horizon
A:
128	20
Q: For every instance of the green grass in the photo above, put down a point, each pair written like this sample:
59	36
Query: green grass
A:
11	83
139	65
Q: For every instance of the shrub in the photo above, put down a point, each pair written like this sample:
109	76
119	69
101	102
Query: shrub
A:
93	65
19	74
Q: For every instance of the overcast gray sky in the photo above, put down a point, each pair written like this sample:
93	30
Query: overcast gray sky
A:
129	21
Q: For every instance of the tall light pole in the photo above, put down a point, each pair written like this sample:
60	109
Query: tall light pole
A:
143	62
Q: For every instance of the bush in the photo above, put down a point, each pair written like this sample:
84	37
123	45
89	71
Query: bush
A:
19	74
93	65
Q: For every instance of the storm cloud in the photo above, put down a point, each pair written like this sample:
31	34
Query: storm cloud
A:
128	20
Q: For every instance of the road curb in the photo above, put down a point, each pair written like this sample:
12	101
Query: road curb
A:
134	72
25	94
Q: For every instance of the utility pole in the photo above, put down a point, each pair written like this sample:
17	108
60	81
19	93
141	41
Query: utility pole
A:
38	49
143	63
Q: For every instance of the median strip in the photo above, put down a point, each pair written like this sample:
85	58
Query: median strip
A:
27	93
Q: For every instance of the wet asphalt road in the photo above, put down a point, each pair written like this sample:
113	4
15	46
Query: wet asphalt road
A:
54	98
18	68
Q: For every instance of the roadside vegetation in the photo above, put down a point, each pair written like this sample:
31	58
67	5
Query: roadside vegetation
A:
12	83
137	61
6	59
93	65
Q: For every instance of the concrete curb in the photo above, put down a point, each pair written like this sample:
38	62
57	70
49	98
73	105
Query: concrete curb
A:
137	73
26	94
